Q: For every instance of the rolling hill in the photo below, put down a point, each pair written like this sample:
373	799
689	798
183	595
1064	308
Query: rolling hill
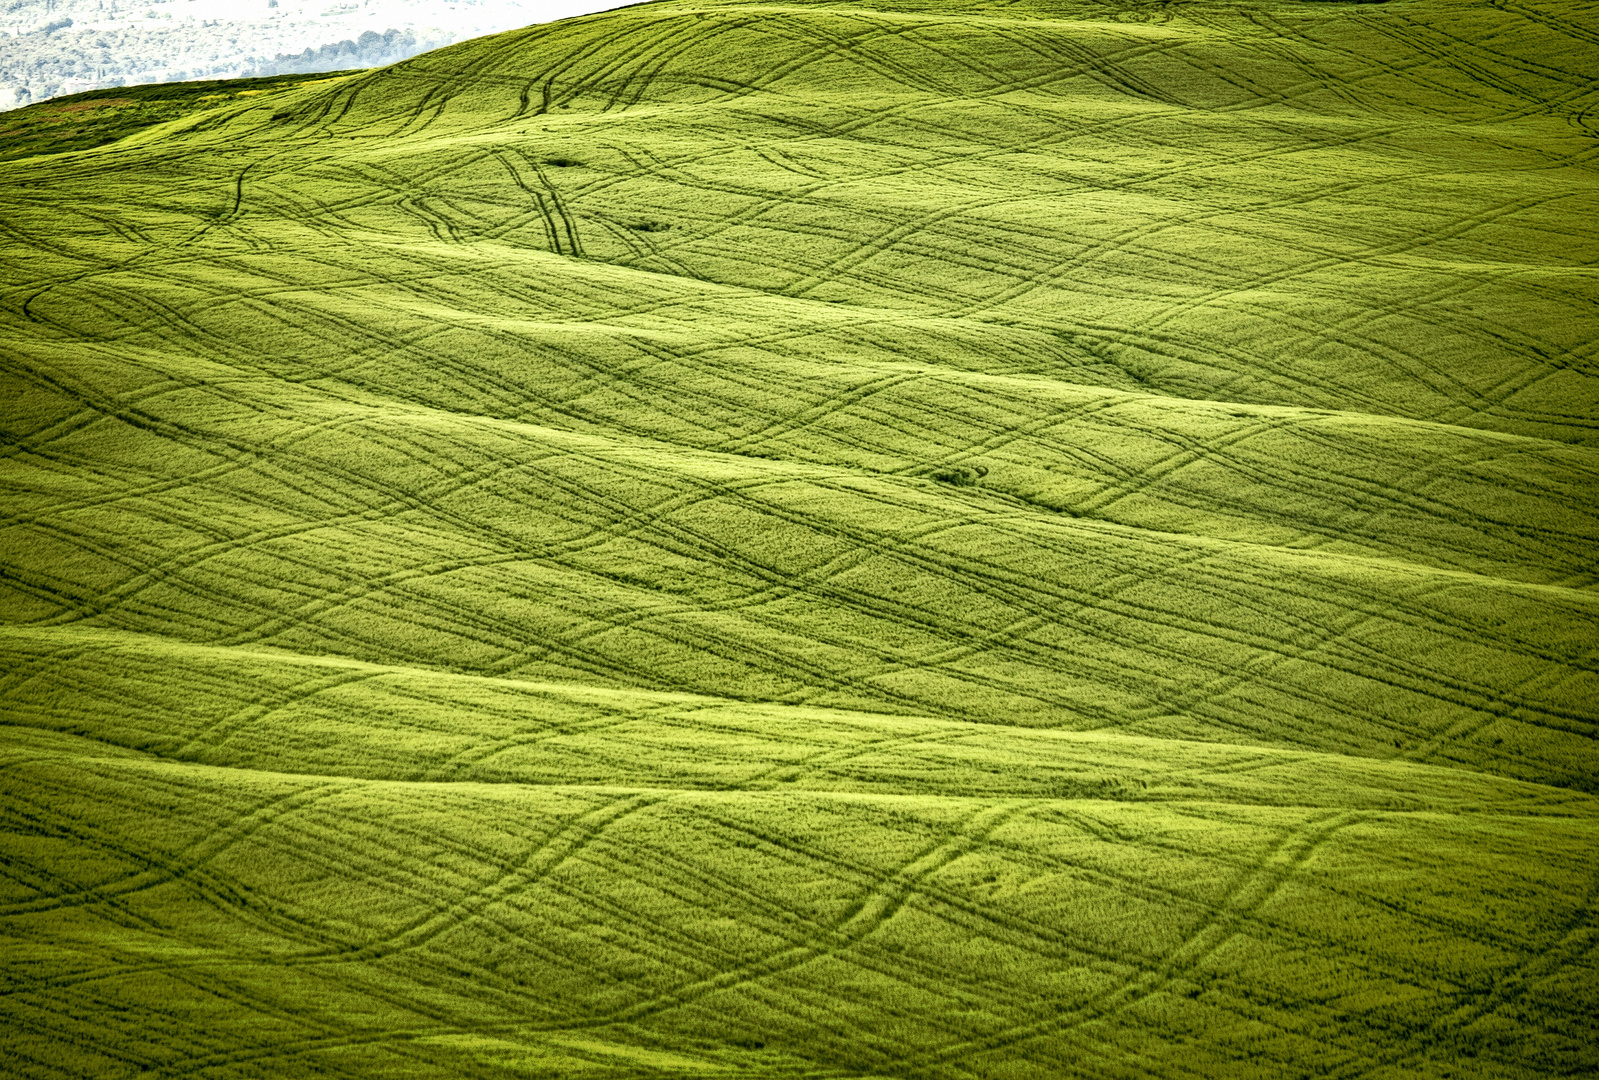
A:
886	539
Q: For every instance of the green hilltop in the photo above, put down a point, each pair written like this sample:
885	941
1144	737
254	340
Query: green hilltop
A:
96	117
888	539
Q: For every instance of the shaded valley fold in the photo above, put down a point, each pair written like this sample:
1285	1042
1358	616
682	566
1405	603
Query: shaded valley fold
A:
905	538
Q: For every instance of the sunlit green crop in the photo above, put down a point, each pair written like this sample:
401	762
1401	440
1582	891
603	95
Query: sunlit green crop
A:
920	539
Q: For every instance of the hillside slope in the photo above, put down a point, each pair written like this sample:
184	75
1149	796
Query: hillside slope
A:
899	539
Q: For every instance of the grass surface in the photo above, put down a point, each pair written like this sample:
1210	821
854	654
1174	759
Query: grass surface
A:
748	540
96	117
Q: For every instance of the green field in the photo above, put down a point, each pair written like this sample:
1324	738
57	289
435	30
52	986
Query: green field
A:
956	539
97	117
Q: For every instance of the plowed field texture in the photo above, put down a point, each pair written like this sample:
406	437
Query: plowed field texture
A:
895	539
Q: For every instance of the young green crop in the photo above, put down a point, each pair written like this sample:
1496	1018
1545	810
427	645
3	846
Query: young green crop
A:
757	540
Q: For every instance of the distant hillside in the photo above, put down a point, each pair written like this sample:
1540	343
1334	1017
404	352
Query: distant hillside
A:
896	538
51	48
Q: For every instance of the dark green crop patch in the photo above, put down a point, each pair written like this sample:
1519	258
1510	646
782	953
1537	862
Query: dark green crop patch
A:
98	117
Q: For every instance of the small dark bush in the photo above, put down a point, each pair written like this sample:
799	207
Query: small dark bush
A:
959	475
